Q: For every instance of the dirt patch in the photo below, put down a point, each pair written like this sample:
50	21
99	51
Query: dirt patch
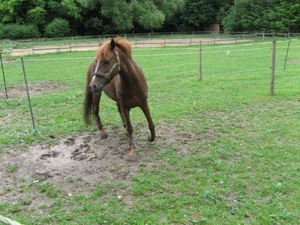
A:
19	90
294	60
78	164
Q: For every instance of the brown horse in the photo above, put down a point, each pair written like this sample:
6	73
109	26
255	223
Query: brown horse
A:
121	78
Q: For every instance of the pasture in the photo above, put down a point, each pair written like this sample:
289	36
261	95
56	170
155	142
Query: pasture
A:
226	151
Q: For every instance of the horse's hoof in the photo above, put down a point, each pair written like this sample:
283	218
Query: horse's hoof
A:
104	135
151	139
132	158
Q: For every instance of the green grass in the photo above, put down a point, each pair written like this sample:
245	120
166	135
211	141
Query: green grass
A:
12	168
241	167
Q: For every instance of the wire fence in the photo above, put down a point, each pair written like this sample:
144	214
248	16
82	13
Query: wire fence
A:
44	45
61	73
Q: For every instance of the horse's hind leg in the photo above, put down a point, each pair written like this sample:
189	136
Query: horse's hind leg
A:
96	103
151	125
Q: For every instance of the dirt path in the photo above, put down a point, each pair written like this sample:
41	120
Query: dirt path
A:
136	43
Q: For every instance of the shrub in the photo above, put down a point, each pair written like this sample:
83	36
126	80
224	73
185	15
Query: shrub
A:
18	31
2	36
93	26
57	28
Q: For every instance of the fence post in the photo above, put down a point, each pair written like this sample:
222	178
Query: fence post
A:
273	68
200	60
28	96
10	49
4	81
287	52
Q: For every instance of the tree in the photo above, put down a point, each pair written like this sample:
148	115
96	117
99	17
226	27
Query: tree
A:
289	13
229	22
9	11
147	14
118	12
123	15
36	15
72	9
264	15
198	13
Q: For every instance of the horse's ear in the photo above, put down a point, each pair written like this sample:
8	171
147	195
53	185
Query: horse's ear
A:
100	43
112	44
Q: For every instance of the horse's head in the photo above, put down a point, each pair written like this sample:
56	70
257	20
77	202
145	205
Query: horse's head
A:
106	65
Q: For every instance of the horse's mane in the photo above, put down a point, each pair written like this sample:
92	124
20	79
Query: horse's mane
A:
104	48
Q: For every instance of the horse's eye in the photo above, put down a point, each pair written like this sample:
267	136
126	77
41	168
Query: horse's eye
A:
106	62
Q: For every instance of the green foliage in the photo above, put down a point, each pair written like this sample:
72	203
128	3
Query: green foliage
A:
2	31
150	16
271	15
37	15
118	12
93	25
9	11
197	14
90	17
72	9
16	31
57	28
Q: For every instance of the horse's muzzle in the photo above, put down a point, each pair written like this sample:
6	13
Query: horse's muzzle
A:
96	88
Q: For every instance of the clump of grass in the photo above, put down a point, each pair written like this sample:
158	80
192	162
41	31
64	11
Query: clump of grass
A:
48	189
12	168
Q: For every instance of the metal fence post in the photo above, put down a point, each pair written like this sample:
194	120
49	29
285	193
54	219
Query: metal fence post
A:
273	68
28	96
200	60
3	74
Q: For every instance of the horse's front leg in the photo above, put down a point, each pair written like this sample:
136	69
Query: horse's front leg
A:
121	114
96	103
129	129
151	125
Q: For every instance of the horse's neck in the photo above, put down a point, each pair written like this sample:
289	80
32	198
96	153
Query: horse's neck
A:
129	72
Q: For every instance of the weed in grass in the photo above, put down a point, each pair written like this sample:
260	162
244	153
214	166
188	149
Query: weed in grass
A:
48	189
27	186
12	168
70	180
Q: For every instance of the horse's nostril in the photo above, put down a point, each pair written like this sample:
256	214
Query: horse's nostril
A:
92	87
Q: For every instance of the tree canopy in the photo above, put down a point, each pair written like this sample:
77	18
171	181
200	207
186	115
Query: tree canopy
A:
88	17
263	15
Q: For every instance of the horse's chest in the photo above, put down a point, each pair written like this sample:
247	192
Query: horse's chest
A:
130	99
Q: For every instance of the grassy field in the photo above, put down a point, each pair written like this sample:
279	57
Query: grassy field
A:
241	166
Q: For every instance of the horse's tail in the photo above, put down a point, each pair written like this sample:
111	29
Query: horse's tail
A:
88	101
87	107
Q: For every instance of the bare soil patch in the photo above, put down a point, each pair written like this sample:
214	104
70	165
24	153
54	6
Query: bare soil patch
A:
78	164
19	90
